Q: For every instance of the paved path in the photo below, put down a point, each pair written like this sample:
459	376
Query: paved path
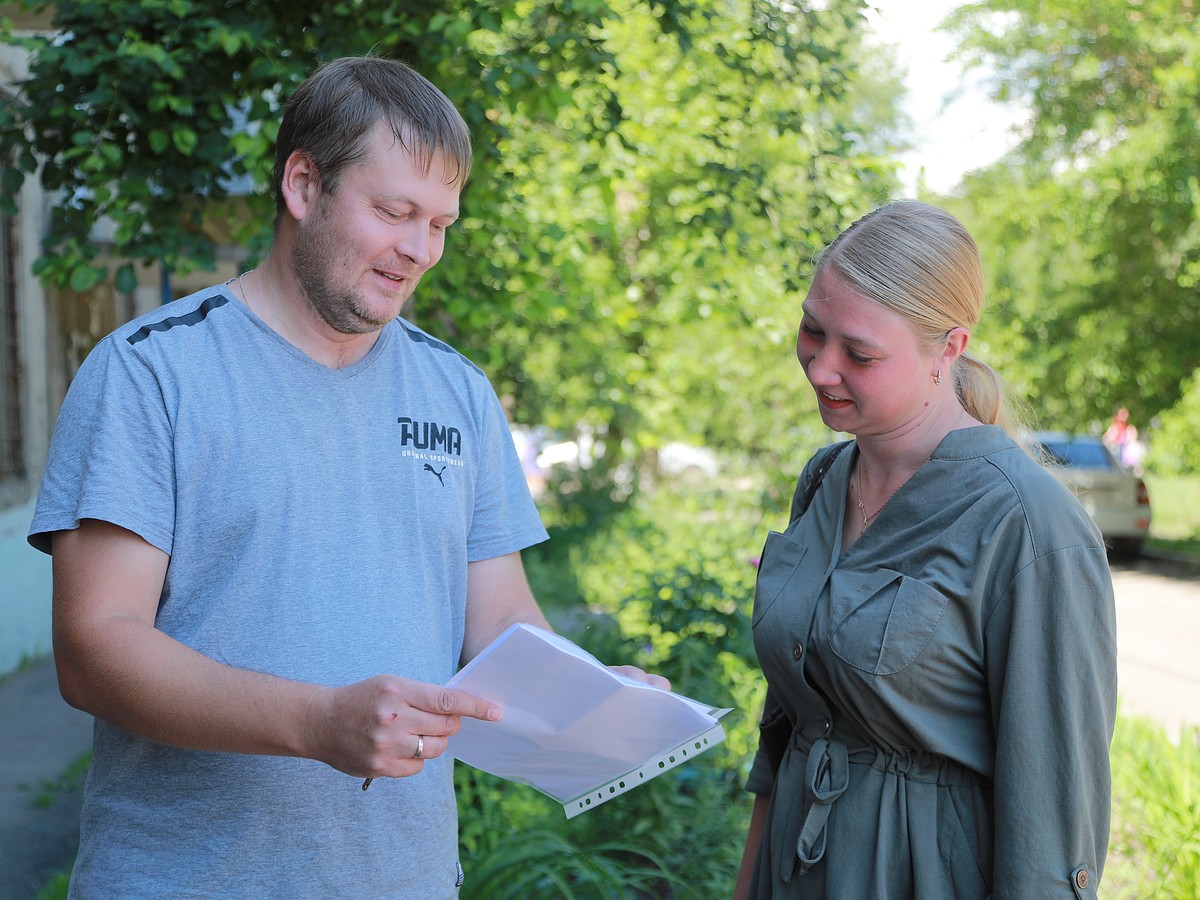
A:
40	737
1158	620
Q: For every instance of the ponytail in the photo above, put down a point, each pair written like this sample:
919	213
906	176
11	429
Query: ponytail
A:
986	396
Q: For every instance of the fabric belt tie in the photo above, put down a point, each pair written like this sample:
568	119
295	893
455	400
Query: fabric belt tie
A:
825	779
798	842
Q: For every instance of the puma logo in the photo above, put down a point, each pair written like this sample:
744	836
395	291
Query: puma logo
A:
430	436
429	468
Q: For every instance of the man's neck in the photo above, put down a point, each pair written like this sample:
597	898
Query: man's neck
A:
272	294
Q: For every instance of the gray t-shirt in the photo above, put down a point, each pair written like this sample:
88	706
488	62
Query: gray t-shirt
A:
319	524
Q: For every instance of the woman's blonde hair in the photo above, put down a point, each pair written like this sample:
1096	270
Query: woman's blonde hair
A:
922	263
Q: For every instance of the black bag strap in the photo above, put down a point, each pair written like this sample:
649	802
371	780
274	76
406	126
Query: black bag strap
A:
775	727
801	501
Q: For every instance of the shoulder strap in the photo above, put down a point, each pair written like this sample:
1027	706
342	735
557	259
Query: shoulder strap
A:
775	728
801	501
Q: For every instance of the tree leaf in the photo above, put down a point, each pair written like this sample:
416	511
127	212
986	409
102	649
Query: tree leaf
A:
84	277
126	279
185	140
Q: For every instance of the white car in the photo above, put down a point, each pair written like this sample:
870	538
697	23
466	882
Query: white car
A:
684	460
1115	498
543	450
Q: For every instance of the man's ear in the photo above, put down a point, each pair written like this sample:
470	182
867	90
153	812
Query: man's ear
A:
300	184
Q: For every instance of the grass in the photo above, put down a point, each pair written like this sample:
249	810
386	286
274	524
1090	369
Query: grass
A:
1154	847
26	661
1189	547
1175	512
71	778
57	887
48	792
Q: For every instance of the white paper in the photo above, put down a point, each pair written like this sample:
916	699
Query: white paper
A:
573	728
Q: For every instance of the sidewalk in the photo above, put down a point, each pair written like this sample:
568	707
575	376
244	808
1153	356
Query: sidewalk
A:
40	737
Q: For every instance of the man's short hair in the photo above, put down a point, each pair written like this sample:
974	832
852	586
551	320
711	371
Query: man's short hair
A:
331	116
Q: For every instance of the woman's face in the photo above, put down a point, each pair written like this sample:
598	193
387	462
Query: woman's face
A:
870	373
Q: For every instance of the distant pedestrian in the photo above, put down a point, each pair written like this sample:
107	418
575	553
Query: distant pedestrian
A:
1122	437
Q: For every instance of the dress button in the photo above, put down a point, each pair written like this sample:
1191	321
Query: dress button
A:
1081	879
798	650
825	727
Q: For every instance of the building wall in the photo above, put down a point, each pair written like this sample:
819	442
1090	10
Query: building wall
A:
54	334
25	573
25	607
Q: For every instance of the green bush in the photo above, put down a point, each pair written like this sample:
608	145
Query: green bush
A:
1173	449
665	584
1155	842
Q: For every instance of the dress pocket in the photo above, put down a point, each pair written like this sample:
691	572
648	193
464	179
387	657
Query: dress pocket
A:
781	557
884	622
965	832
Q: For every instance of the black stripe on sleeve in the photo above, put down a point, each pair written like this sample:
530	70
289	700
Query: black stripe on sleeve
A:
195	316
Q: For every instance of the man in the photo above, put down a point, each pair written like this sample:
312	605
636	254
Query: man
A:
280	517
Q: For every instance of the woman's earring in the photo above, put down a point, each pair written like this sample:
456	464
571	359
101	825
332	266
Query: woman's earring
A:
937	379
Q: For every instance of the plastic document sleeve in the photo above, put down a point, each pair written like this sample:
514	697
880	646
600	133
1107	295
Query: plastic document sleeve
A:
573	728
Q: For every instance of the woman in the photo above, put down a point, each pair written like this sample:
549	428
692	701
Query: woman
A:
937	627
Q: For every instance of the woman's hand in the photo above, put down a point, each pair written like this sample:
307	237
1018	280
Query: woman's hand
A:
645	677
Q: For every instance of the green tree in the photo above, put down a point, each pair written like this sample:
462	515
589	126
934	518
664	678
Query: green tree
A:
681	243
652	179
149	113
1092	226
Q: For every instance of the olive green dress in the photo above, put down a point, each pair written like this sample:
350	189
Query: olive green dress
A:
951	680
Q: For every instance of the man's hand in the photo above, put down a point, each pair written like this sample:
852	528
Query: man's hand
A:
115	664
371	728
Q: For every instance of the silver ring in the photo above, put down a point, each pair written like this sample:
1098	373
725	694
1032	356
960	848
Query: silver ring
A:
420	754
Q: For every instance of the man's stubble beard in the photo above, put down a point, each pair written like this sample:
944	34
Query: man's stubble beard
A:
312	260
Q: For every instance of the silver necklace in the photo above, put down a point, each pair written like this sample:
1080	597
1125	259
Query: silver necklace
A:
241	283
862	510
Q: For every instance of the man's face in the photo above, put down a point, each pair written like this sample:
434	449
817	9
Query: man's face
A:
360	251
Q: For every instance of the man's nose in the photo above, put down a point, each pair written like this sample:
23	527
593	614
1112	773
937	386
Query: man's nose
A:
415	243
